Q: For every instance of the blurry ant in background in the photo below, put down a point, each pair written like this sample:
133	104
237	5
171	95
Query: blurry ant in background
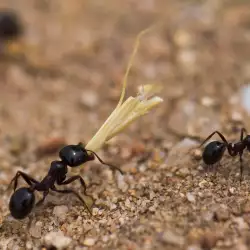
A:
214	150
23	199
10	25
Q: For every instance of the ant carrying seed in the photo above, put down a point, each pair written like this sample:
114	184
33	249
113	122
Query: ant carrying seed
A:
23	199
214	150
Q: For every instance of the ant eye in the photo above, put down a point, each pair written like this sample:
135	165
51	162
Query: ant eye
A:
213	152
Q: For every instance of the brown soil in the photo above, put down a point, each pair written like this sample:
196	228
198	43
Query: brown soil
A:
65	81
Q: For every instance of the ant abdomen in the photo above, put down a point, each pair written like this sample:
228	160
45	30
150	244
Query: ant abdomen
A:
213	152
21	202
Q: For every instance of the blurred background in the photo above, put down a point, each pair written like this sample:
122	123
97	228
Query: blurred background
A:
61	73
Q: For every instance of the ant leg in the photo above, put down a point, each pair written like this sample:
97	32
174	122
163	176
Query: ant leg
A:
241	167
109	165
243	130
26	177
74	178
219	134
45	193
70	191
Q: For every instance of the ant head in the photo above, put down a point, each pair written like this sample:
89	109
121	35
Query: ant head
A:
74	155
213	152
21	202
247	142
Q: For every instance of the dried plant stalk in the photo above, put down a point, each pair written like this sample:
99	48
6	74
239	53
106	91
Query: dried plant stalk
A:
128	111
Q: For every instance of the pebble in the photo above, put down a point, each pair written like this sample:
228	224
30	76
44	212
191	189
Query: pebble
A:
207	215
183	172
172	238
36	230
60	211
89	242
222	214
242	225
57	239
208	101
191	197
89	99
232	190
122	185
95	211
127	203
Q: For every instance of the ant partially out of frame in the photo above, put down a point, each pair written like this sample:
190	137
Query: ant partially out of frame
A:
23	199
214	150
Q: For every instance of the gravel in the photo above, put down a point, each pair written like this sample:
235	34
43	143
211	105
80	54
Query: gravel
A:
65	81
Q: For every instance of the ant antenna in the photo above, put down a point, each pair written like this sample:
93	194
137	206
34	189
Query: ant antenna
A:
100	160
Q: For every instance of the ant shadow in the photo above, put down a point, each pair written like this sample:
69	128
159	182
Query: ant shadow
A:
228	168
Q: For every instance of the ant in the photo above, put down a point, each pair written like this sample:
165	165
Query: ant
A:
214	150
10	26
23	199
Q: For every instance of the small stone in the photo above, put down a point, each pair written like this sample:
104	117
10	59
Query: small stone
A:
36	230
208	101
190	197
207	215
122	185
236	116
29	245
232	190
60	211
57	239
242	225
127	203
95	211
172	238
152	209
222	214
113	206
89	242
89	99
197	154
121	220
203	184
183	172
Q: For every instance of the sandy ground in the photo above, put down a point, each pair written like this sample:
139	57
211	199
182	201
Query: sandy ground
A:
66	80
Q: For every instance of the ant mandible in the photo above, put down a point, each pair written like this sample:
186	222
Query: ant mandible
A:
214	150
23	199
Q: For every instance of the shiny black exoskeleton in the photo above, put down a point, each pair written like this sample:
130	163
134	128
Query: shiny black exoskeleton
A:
21	202
10	26
23	199
214	150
